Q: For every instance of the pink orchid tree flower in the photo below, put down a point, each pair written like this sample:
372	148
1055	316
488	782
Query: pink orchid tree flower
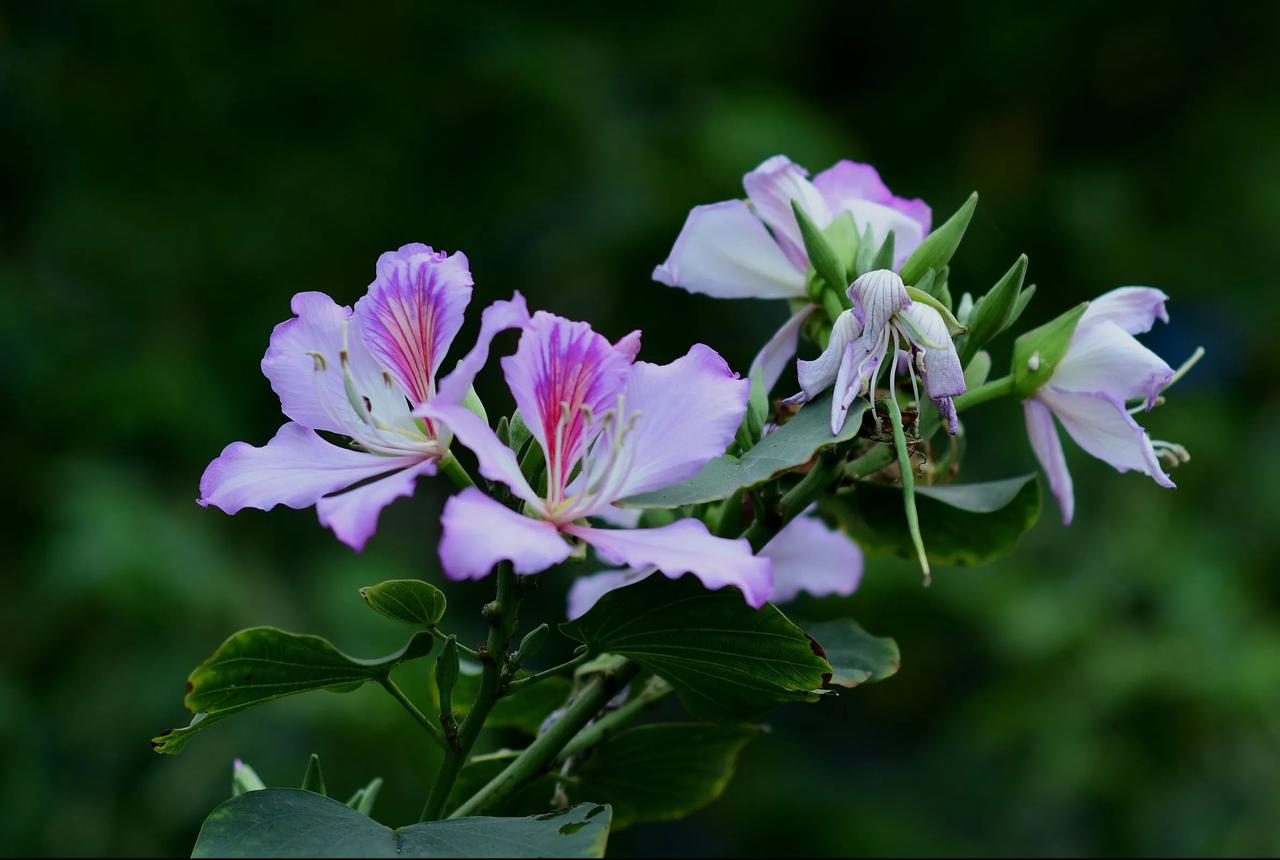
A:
1104	367
609	427
357	374
806	555
883	316
753	248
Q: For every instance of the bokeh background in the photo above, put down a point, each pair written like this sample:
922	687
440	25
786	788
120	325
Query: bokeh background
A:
170	174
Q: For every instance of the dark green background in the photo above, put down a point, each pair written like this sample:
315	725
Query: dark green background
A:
170	174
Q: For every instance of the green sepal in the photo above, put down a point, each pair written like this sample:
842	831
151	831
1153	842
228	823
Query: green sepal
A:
447	674
362	801
1024	299
993	313
473	402
954	326
884	257
519	432
532	643
822	256
244	778
313	779
842	233
939	246
1036	353
977	370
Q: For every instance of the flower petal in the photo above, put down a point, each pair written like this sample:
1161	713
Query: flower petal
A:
848	186
1104	357
480	532
818	375
725	251
943	375
1101	425
781	348
877	296
808	555
1134	309
771	187
295	469
412	312
586	590
497	318
685	546
687	413
353	515
497	461
559	368
1048	449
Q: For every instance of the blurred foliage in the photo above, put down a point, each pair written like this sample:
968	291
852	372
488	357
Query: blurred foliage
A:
171	174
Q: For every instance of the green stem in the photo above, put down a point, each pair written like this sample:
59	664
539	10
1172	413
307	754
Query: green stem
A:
432	729
542	753
870	462
593	734
1001	387
768	523
567	666
501	615
454	471
908	481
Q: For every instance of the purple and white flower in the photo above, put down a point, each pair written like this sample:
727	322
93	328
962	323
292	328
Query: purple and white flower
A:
358	374
609	427
883	317
806	555
753	248
1104	367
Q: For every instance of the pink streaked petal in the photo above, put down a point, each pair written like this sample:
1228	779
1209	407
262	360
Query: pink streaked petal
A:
1134	309
353	515
498	317
1101	425
295	469
810	556
688	412
685	546
876	297
479	532
629	344
586	590
725	251
497	461
774	357
1048	450
772	187
1104	357
412	312
560	367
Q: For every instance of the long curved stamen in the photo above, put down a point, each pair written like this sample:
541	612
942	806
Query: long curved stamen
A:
882	346
1170	452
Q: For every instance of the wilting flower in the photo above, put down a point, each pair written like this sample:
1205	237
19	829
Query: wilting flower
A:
1104	367
609	427
884	316
358	374
807	555
753	248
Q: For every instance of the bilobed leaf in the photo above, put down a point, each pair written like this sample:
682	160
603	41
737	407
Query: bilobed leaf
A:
936	249
961	523
409	600
263	664
727	661
286	822
791	445
661	772
856	657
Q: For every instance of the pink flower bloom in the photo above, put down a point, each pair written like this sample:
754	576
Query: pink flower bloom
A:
807	555
358	374
883	316
609	427
1104	367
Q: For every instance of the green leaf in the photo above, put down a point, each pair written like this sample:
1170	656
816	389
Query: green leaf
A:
994	311
286	822
791	445
661	772
938	247
727	661
313	779
822	256
409	600
1036	354
856	657
965	523
263	664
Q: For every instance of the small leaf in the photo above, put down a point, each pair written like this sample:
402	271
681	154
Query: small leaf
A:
286	822
966	523
856	657
409	600
791	445
263	664
994	311
938	247
1036	354
313	779
824	258
727	661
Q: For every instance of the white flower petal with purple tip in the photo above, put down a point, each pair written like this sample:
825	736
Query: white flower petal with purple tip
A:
1047	446
1103	357
779	350
857	189
1134	309
1100	424
353	514
810	556
479	532
586	590
771	188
